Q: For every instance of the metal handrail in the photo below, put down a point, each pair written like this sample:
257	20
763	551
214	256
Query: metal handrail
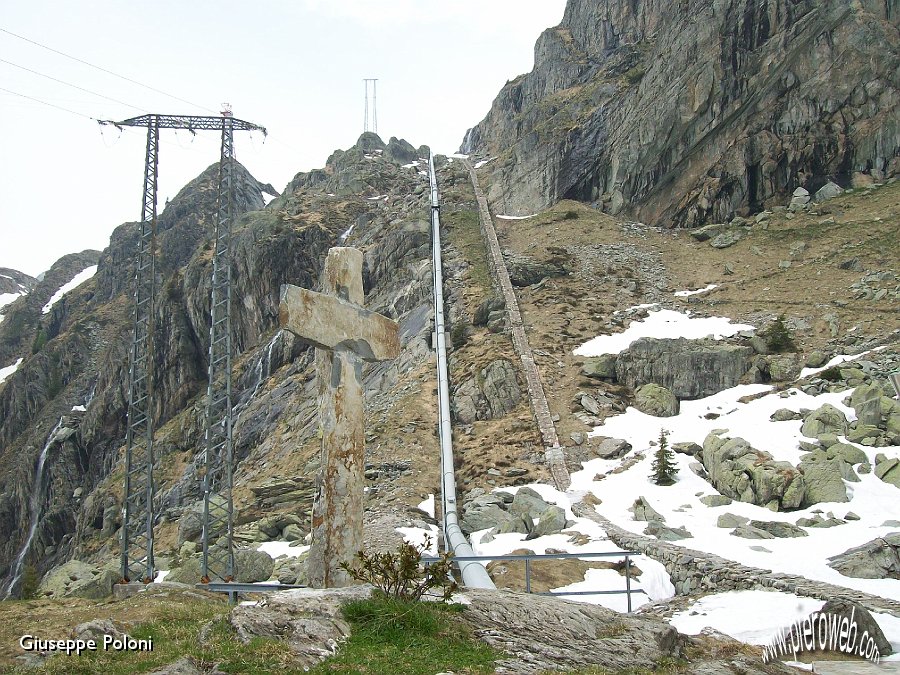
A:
473	574
528	557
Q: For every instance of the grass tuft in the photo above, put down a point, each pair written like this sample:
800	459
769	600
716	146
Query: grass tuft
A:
408	638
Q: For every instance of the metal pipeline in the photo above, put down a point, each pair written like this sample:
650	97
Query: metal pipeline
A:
474	575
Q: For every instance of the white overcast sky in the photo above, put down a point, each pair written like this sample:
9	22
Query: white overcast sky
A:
293	66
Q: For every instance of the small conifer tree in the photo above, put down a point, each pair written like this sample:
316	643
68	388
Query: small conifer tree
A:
664	469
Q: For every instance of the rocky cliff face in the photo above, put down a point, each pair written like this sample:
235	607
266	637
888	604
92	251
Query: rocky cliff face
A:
363	197
679	113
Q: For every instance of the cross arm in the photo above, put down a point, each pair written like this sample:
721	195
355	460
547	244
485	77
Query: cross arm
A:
328	322
189	122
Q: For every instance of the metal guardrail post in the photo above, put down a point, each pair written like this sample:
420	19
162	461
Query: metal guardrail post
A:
628	581
527	575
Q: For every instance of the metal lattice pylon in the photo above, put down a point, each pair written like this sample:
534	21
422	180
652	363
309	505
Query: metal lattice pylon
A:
218	556
137	515
138	512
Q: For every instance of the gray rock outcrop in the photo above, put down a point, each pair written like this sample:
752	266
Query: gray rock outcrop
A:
877	559
739	471
690	369
494	392
596	119
655	400
76	579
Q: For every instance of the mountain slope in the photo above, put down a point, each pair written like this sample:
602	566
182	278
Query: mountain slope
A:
695	111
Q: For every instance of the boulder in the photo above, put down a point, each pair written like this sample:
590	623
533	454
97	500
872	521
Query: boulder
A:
551	521
186	573
590	404
715	500
612	448
688	448
739	471
76	579
816	359
877	559
665	533
889	471
826	419
528	502
251	566
485	309
784	367
824	479
730	520
865	622
600	367
293	532
190	526
784	415
643	511
483	516
747	531
778	529
727	238
865	434
522	524
653	399
708	232
846	452
690	369
827	191
96	629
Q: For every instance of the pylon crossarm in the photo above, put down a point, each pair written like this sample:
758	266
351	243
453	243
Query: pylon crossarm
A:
188	122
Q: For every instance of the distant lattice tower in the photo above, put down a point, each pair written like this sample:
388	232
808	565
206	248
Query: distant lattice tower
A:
371	122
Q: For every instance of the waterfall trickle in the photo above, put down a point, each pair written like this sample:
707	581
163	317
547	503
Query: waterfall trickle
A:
262	370
37	492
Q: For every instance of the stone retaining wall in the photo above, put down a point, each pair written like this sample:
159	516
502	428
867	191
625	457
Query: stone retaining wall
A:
696	572
500	275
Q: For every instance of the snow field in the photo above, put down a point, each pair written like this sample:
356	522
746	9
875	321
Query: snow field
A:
75	282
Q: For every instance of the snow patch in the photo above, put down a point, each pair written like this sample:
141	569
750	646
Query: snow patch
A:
428	505
480	164
9	370
277	549
76	281
418	536
7	298
665	323
685	294
161	576
79	408
517	217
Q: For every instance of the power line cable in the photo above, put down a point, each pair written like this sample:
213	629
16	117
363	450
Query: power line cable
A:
52	105
74	86
108	72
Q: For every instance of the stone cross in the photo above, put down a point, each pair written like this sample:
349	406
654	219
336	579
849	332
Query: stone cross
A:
344	334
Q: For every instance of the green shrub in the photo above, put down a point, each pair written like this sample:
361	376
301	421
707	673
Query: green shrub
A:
30	583
459	334
570	215
400	575
778	338
39	341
